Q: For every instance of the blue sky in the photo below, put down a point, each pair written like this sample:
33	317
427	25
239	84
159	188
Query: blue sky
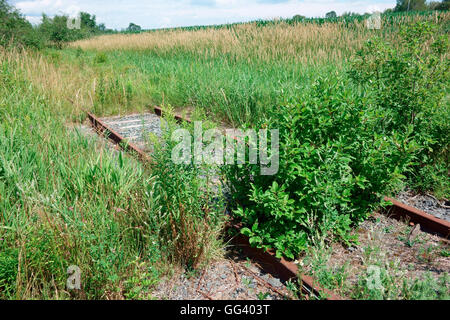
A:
118	14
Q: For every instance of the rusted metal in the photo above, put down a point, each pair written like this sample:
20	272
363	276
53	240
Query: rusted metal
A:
398	209
284	269
178	118
265	283
103	128
429	223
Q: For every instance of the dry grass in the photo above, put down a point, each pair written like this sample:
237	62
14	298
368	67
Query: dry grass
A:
305	43
72	88
282	42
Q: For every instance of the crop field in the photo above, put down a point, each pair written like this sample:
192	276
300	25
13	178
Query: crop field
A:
362	114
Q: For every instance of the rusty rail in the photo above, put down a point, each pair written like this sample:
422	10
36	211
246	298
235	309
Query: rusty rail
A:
398	210
429	223
284	269
288	270
104	129
179	118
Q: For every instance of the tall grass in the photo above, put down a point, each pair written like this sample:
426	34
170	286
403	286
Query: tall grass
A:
282	42
62	202
75	84
235	73
65	201
307	43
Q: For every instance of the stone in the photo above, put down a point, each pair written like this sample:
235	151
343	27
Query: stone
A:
275	282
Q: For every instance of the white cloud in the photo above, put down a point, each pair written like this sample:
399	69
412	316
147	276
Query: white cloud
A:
34	20
38	6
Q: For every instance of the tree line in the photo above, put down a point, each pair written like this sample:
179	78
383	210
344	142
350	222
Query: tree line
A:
401	6
421	5
16	30
55	31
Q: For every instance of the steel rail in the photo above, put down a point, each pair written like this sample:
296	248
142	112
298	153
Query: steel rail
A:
102	128
428	222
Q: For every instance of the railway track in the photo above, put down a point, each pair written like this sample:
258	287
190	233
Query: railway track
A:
131	131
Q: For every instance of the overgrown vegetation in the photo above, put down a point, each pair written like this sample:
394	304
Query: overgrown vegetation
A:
344	147
66	201
15	30
381	278
372	270
63	203
350	133
409	86
190	213
235	74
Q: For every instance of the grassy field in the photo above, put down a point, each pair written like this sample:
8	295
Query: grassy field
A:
233	75
66	201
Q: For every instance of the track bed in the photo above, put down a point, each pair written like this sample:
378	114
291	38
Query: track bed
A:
401	243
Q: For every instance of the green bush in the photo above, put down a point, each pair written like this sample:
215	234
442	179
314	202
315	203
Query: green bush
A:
15	29
408	83
343	147
334	169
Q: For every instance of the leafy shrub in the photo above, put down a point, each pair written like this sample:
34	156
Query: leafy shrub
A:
334	169
343	147
408	82
15	29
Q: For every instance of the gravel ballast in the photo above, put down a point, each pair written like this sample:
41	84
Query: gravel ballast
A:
426	203
136	128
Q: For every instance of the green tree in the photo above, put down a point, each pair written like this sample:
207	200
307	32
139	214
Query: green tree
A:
88	21
298	17
411	5
134	28
55	30
444	5
331	14
350	14
15	29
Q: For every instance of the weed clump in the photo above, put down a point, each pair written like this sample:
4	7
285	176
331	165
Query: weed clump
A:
190	214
